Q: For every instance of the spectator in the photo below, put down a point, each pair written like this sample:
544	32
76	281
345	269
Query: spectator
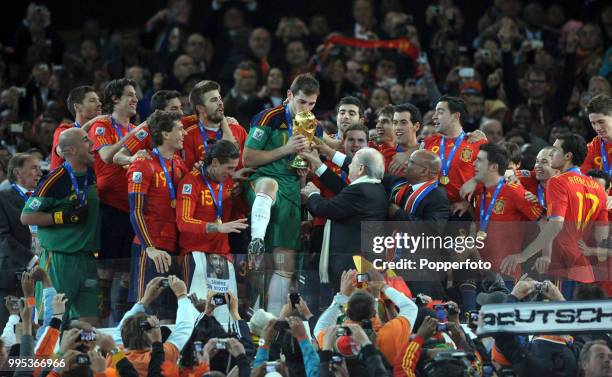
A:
296	58
37	94
182	68
334	85
200	50
36	33
595	359
244	91
492	128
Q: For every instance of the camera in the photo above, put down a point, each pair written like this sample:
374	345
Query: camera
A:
366	324
221	344
219	299
88	336
16	303
16	128
271	366
486	53
19	275
362	278
145	325
474	314
294	298
281	326
442	327
198	346
466	73
82	359
164	283
342	331
541	287
336	359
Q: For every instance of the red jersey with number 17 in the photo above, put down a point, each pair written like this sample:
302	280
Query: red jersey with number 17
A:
462	165
147	177
580	201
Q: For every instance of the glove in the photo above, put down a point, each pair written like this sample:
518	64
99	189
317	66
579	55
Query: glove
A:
73	215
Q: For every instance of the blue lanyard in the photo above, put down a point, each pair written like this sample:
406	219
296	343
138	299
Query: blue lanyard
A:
541	195
79	193
399	149
218	202
77	124
167	175
604	158
485	217
574	170
204	138
289	121
21	193
446	163
118	129
343	175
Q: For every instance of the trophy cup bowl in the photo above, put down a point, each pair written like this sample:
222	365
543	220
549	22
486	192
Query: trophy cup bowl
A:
305	124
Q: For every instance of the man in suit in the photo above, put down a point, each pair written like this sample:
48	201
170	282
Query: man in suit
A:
15	239
420	176
364	199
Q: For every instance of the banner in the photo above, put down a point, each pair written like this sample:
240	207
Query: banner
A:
546	317
402	45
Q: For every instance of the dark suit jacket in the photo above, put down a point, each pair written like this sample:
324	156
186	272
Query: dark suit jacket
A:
434	207
354	204
15	238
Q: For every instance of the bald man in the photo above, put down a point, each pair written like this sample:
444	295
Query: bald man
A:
65	207
417	195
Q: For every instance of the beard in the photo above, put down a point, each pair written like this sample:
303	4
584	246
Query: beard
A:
215	117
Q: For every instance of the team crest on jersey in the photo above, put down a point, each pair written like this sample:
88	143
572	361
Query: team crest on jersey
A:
100	131
258	134
498	208
137	177
283	126
35	204
187	189
466	154
140	135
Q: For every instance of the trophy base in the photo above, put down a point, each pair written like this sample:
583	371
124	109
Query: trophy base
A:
298	163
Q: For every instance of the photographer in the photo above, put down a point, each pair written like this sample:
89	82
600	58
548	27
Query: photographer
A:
544	355
136	330
204	355
367	361
208	327
276	330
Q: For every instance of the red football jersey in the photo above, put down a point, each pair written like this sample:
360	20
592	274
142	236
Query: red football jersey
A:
510	222
593	159
579	200
146	176
462	165
196	207
112	181
325	192
387	152
193	147
57	160
528	180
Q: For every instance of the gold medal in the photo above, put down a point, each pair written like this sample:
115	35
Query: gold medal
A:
481	234
173	203
219	221
444	180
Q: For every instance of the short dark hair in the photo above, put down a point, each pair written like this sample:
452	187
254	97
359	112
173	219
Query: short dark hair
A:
360	307
159	122
114	89
585	353
455	105
196	96
538	71
133	337
305	83
575	144
591	291
160	99
16	162
387	111
596	173
518	132
513	150
356	127
77	95
496	155
415	113
350	100
600	104
223	151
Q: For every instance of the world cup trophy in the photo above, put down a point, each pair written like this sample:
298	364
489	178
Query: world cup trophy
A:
305	124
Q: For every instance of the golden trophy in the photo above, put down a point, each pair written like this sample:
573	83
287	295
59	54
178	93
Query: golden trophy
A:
305	124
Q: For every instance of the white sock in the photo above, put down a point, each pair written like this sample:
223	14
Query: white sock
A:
277	293
260	215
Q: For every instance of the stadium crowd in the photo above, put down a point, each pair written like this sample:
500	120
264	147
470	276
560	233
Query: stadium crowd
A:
197	201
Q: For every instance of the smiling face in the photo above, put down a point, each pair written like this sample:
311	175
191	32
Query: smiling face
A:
348	115
175	138
126	104
442	118
354	141
403	128
602	125
222	172
543	167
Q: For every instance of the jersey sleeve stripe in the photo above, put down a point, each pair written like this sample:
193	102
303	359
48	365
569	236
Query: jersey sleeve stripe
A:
46	186
185	213
266	117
